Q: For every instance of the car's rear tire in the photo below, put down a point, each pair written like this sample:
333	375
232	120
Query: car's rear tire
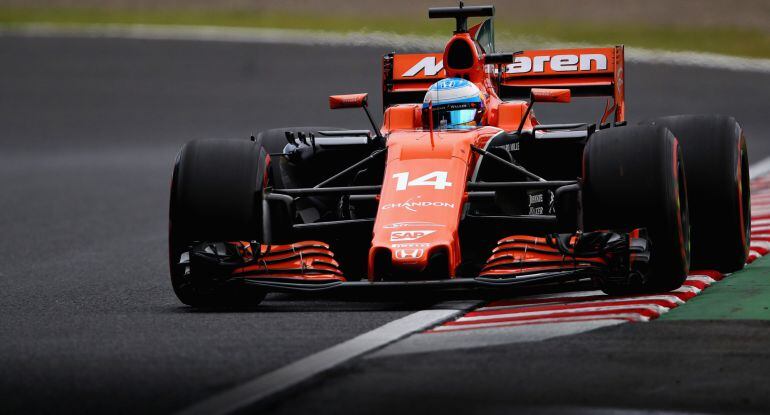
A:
635	178
215	196
718	188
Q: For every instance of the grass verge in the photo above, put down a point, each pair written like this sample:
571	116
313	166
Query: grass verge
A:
723	40
744	295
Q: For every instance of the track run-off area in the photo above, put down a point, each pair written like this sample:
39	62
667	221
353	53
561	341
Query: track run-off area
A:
90	129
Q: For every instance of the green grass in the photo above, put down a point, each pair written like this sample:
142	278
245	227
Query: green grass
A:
745	295
723	40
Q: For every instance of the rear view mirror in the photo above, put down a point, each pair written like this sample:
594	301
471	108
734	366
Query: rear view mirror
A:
348	101
551	95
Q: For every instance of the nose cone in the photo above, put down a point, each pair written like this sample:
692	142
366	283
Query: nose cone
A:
420	206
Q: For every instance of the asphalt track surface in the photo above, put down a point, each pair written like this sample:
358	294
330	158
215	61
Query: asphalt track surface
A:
88	133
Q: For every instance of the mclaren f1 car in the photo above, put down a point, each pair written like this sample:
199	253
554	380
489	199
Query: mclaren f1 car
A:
461	185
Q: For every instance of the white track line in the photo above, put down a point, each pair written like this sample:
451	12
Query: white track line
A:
263	387
378	39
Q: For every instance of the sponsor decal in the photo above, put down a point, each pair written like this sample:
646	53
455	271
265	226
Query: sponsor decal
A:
541	202
420	224
410	253
428	64
437	179
411	245
510	147
558	63
397	236
412	205
584	62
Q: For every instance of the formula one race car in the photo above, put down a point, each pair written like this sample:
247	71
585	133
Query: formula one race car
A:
462	186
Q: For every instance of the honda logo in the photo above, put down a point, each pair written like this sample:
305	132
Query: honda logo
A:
410	253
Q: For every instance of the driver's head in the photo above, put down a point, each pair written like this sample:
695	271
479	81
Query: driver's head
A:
455	103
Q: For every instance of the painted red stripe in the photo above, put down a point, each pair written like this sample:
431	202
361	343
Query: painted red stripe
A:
761	250
684	296
715	275
538	322
599	313
662	303
701	285
535	301
753	256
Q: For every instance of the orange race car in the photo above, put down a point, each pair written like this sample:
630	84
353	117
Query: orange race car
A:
462	186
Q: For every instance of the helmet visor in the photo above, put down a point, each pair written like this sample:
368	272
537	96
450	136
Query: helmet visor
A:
451	116
459	117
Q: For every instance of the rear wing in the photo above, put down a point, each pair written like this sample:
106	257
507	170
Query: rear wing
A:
585	72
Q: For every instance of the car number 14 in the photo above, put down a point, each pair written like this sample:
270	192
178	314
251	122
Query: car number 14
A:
437	179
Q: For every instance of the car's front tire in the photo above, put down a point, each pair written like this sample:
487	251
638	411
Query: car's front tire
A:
216	190
635	178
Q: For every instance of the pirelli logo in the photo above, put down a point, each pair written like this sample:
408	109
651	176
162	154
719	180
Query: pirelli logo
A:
430	66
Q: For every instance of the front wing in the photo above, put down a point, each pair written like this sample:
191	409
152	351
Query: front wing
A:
310	266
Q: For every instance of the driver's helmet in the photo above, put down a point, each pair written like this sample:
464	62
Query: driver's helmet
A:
454	102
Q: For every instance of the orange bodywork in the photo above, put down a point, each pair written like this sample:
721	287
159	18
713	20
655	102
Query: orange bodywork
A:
422	196
424	187
347	101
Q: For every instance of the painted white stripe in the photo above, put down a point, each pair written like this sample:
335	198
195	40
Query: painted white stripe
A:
618	316
378	39
687	289
760	244
760	168
703	278
290	375
569	294
668	298
578	309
